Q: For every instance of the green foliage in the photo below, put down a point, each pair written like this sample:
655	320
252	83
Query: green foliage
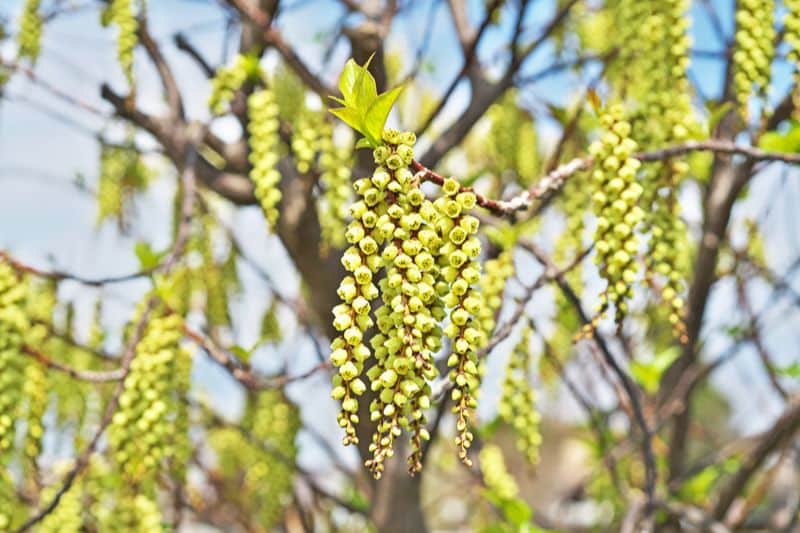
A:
148	258
787	141
270	326
363	109
648	373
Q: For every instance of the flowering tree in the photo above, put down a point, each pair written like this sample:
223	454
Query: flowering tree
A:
537	214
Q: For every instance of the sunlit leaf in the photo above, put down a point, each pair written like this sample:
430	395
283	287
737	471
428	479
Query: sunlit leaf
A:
375	118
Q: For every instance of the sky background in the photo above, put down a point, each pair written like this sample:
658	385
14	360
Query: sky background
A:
48	221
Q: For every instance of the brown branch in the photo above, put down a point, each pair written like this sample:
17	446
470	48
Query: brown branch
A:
754	334
485	93
273	37
82	375
59	275
183	44
168	82
52	89
469	44
242	372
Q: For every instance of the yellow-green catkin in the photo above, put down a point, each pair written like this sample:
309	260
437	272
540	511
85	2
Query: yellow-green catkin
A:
669	114
626	71
426	254
408	320
10	507
30	31
305	141
14	326
120	13
141	431
134	512
252	460
518	401
216	284
273	421
67	516
35	390
460	271
755	50
227	80
791	26
357	290
39	307
262	126
615	204
335	178
122	173
495	474
496	274
510	148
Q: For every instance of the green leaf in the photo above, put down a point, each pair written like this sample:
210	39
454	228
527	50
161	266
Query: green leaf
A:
648	374
365	91
516	511
357	85
241	352
788	142
148	258
363	142
347	80
791	371
379	110
349	116
717	114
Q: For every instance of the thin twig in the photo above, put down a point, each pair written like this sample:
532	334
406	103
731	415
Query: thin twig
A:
60	275
555	179
102	376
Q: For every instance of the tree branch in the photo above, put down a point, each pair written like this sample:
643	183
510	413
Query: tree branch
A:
630	387
786	426
168	82
555	179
